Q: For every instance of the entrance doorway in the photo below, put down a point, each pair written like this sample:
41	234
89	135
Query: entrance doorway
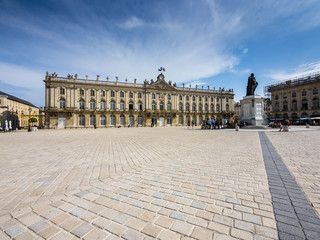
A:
154	121
161	120
61	121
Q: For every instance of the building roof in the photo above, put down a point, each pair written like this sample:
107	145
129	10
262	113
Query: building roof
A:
13	98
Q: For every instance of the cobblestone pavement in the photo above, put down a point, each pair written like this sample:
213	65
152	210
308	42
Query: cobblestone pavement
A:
164	183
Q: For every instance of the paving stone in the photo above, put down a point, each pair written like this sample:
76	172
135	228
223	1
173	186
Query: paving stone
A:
182	227
14	231
82	230
112	183
151	230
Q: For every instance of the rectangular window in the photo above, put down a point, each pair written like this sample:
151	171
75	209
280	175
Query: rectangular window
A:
81	92
102	93
92	93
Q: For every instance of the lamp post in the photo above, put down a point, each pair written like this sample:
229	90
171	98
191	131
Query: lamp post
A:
29	126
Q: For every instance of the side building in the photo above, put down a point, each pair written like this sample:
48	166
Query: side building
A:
17	111
71	102
296	98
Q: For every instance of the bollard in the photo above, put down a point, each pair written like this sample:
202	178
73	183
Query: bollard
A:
307	125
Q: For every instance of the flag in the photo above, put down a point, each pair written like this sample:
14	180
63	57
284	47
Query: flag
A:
161	69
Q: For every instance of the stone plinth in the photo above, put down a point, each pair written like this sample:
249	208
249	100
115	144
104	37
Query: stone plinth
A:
252	110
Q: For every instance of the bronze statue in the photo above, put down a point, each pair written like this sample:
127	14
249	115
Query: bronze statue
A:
252	84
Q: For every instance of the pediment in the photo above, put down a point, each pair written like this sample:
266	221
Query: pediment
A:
161	84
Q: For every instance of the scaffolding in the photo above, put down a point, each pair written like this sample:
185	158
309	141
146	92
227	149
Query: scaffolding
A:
293	82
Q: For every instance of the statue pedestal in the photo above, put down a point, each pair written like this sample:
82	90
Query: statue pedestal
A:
252	110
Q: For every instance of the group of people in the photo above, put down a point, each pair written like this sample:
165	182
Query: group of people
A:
282	125
211	124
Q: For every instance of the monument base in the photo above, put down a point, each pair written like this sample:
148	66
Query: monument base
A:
252	110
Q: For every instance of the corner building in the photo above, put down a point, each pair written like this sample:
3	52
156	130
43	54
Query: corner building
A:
79	103
296	98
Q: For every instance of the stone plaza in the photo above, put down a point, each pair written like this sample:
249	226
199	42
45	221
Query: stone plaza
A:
160	183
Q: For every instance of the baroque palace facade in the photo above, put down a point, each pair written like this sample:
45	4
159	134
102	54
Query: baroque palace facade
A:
76	103
296	98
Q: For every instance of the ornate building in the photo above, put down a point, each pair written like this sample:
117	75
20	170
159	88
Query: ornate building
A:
17	111
72	102
296	98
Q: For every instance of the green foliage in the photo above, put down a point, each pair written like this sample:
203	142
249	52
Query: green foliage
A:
33	120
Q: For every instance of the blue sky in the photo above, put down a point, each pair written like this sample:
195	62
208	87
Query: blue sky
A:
204	42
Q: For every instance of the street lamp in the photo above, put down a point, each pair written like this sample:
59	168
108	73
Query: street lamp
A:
29	126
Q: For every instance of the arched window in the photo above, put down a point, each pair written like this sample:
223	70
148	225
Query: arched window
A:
187	107
200	98
130	95
211	99
180	107
284	95
112	93
294	94
161	106
188	119
153	96
140	106
103	120
92	119
294	116
81	104
102	93
154	106
187	98
112	105
200	106
285	106
276	97
62	103
131	120
276	106
122	120
304	115
180	97
227	107
294	105
169	97
218	108
194	107
62	91
81	92
121	105
169	120
103	105
140	120
206	98
193	98
81	120
315	103
181	120
212	107
139	95
304	93
121	94
315	91
92	92
130	105
113	120
92	104
304	104
169	106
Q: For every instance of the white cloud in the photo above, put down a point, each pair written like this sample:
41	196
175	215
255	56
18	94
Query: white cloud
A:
21	76
131	23
302	70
